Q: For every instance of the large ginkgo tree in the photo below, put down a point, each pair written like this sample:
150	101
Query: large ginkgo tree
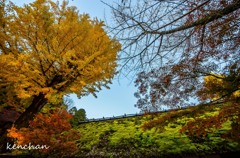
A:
48	50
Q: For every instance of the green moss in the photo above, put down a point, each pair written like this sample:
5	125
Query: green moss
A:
126	137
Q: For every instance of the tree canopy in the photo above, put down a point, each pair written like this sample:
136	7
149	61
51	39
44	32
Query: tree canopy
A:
173	45
184	52
78	115
48	50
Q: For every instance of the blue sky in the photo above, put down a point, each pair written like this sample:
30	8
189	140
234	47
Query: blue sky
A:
119	99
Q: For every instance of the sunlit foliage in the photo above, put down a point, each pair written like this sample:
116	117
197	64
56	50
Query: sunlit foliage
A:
126	138
48	50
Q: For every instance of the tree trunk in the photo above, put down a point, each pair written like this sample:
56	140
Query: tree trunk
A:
23	121
37	104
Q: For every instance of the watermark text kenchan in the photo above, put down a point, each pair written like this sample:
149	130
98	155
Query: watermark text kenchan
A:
28	146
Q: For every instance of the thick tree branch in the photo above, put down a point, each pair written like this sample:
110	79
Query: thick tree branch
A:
207	19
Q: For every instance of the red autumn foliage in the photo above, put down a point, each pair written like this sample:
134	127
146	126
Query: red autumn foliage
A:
201	126
52	129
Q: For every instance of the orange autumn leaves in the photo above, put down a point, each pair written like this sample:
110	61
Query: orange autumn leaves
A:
200	127
219	89
52	129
